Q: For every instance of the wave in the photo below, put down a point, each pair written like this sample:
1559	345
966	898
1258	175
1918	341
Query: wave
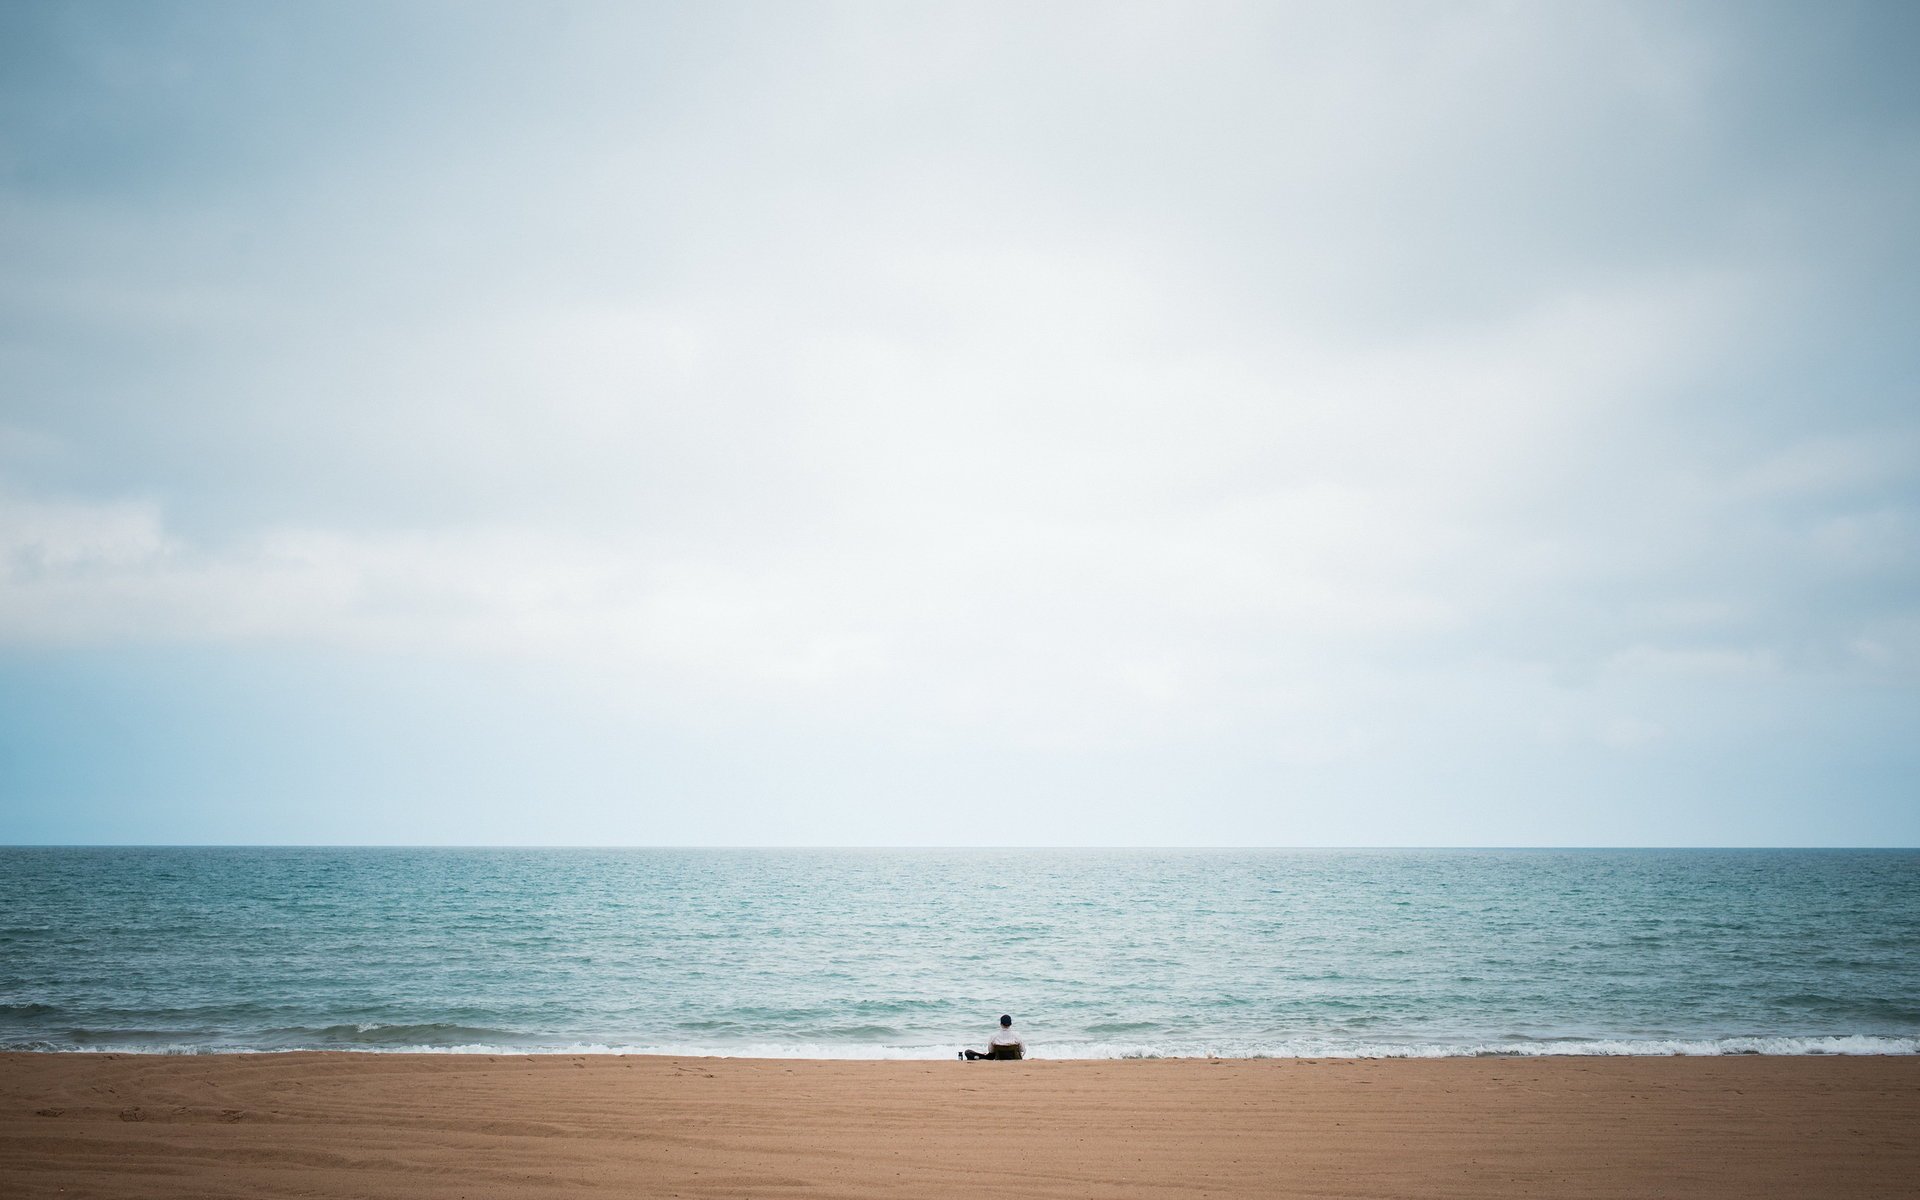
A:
373	1035
1837	1044
458	1039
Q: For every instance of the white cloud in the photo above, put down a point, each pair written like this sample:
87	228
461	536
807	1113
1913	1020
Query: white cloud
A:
1292	381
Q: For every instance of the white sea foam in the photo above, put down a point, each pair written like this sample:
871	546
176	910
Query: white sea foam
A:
1299	1048
1586	1047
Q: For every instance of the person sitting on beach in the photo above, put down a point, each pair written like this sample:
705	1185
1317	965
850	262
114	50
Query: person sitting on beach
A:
1004	1043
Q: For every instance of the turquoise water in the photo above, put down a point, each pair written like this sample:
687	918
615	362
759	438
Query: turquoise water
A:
908	953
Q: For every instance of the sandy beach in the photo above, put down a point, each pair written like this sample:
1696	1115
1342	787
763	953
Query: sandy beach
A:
471	1126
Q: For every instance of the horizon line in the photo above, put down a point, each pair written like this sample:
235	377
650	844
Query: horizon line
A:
896	846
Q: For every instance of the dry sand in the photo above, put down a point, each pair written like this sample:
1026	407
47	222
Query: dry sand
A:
337	1125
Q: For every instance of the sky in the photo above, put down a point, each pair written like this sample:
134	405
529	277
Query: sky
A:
978	424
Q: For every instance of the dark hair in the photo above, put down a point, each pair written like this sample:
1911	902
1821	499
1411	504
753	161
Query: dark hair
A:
1005	1020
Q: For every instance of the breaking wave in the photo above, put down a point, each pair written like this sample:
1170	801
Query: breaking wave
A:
456	1039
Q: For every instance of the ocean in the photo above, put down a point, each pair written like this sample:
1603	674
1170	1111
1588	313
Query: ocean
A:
916	953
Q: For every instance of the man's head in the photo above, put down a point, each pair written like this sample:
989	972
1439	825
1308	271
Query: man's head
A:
1005	1021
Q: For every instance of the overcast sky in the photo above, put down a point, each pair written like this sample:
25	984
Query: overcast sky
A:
980	424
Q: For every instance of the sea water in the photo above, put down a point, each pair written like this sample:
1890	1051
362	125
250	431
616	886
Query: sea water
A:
915	953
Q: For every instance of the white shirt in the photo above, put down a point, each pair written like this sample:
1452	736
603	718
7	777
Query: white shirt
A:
1005	1037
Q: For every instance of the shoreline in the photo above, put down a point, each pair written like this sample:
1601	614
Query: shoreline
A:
1744	1046
350	1123
460	1052
420	1038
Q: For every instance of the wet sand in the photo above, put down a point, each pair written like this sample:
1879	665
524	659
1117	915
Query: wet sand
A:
473	1126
